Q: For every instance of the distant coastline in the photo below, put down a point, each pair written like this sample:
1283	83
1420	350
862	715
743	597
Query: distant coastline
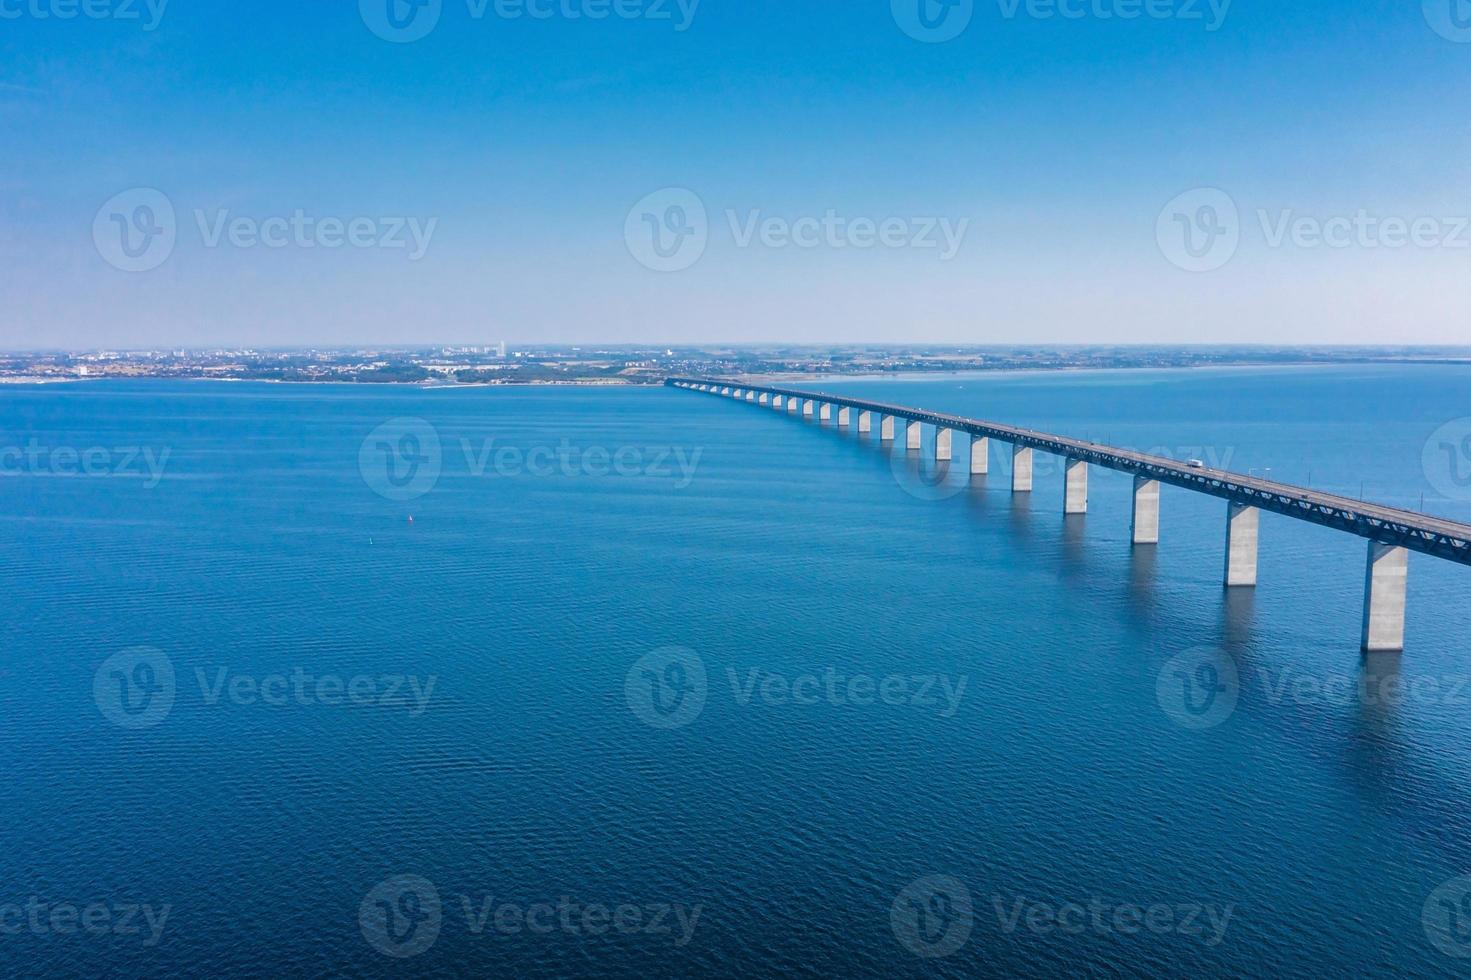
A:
635	366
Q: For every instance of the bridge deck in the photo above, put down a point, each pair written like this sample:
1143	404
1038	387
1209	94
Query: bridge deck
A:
1406	528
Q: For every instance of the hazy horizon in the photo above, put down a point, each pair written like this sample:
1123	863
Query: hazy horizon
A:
188	176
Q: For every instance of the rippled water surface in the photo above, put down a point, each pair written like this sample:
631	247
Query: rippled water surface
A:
394	658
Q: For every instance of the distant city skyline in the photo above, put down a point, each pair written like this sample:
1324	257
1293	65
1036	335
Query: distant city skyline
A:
1014	172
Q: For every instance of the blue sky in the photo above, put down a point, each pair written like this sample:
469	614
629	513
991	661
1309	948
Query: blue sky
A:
505	174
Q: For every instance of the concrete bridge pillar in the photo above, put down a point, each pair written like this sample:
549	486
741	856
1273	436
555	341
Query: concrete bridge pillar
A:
763	398
750	396
778	401
911	435
808	406
1146	510
1242	526
865	423
1021	469
792	403
1075	487
825	414
943	440
845	417
725	391
1385	585
980	455
886	429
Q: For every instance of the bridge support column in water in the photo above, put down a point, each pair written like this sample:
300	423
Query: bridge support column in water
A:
750	396
865	423
1075	489
1146	510
911	435
778	402
980	455
943	441
1385	584
1021	469
763	398
845	417
1242	526
825	414
807	407
792	404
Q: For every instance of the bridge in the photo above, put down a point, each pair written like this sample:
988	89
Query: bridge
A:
1391	533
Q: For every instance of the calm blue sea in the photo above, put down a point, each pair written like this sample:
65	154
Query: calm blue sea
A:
368	681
